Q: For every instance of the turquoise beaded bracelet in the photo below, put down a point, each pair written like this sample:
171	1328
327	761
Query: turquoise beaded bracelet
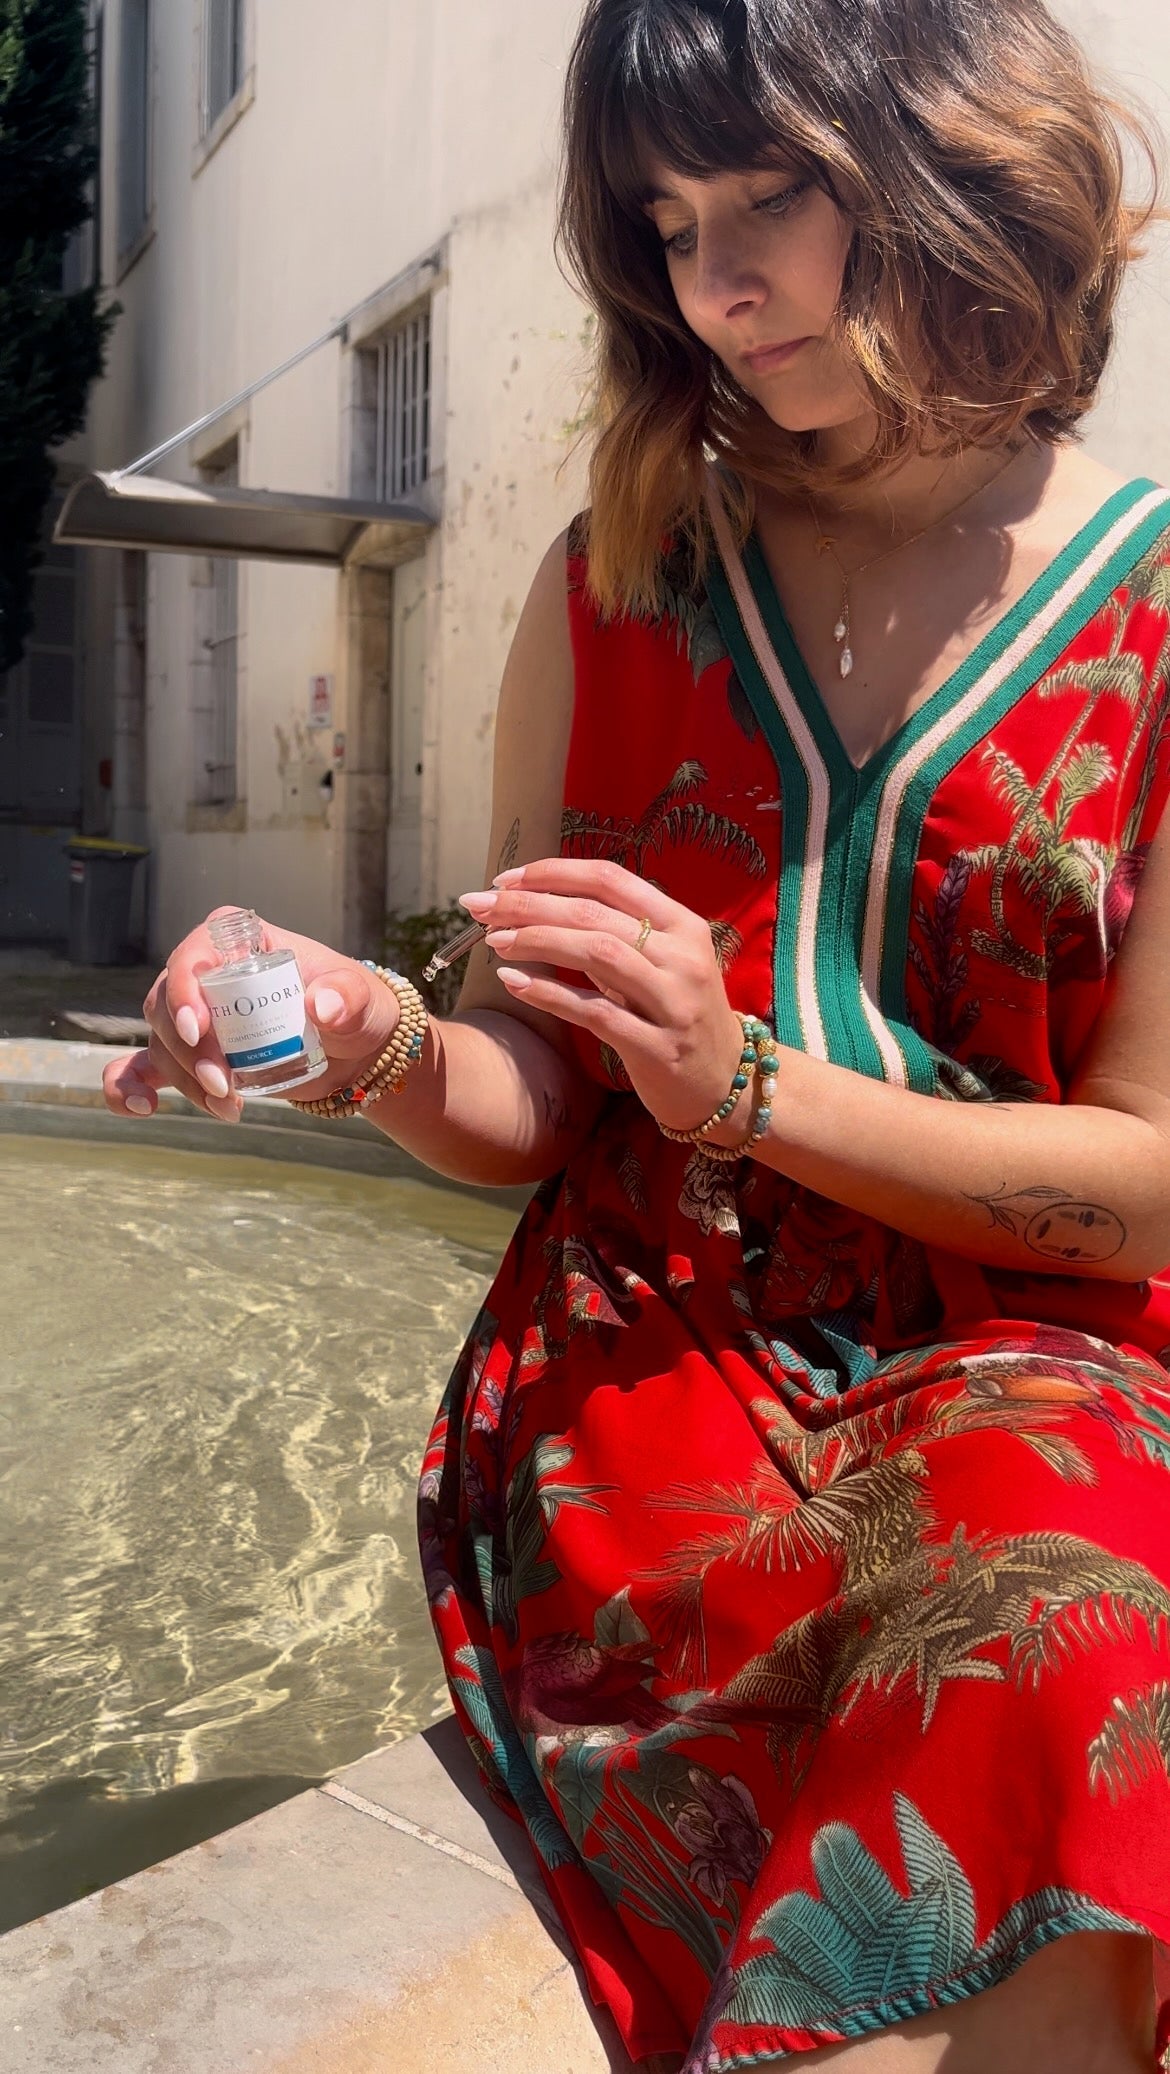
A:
767	1070
756	1058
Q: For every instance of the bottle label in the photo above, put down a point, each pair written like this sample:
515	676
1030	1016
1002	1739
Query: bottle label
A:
262	1021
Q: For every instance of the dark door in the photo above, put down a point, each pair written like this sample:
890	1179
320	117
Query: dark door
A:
40	757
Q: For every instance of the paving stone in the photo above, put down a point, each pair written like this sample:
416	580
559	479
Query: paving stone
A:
312	1940
431	1779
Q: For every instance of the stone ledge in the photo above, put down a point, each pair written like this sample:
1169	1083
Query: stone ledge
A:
43	1075
317	1939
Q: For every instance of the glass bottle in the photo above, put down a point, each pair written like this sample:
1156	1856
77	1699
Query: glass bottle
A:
258	1015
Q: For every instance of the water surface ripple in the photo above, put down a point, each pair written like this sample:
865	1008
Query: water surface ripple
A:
216	1377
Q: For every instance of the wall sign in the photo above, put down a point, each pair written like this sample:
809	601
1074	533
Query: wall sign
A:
320	702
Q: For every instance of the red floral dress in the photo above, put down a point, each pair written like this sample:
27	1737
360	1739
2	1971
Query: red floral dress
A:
804	1588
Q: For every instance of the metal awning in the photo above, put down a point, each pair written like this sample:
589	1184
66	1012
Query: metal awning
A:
131	510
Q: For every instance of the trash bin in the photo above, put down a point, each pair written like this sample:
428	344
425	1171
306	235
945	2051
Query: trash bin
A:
101	881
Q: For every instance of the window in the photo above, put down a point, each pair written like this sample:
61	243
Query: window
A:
134	123
217	669
402	377
223	57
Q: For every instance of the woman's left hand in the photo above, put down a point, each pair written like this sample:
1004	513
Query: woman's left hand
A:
664	1008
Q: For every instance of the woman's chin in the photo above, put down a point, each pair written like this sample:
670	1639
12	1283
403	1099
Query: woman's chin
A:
811	413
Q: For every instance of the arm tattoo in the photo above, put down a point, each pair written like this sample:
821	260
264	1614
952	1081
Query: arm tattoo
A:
557	1114
1054	1225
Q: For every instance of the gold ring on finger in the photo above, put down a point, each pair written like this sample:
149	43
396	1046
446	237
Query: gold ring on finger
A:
644	934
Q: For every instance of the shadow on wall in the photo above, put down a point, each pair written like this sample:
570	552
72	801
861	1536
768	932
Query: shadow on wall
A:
72	1837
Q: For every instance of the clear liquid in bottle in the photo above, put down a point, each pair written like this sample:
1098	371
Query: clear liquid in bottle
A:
258	1013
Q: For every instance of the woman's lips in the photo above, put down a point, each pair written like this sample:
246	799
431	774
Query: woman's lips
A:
765	358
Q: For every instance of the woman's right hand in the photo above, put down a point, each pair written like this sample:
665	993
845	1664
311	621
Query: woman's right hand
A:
355	1012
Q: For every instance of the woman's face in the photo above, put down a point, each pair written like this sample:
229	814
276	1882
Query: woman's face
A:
756	261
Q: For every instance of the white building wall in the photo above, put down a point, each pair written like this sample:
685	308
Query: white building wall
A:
366	142
372	132
1128	42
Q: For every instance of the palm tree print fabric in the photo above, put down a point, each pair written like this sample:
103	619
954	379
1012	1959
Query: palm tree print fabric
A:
804	1589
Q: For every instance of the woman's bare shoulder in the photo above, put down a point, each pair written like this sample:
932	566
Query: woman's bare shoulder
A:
1077	488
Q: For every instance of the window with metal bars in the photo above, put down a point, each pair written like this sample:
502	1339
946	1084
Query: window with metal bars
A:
223	57
402	441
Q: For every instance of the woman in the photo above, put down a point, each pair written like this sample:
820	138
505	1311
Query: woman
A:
794	1524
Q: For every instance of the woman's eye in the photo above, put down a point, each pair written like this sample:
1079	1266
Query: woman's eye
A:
780	204
684	243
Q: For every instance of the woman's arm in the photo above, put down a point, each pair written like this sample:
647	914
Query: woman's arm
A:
1081	1187
497	1097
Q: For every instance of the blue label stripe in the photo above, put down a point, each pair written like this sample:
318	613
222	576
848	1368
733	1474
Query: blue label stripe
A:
267	1056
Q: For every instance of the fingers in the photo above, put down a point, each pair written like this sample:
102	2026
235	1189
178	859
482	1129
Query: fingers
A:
597	879
184	1049
528	909
584	1006
355	1012
131	1085
175	1006
614	966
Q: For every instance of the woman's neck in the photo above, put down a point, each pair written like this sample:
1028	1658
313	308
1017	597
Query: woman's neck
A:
919	492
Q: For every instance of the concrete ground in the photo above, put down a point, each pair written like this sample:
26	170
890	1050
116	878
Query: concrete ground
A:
389	1922
43	995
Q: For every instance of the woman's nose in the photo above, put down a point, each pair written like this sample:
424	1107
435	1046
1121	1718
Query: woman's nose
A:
726	282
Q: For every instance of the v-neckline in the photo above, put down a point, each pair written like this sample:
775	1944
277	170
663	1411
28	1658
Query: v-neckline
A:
988	650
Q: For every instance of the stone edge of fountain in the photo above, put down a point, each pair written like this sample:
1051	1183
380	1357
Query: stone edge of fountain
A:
53	1088
389	1917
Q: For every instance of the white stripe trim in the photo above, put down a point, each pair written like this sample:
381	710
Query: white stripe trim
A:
816	774
902	774
887	1044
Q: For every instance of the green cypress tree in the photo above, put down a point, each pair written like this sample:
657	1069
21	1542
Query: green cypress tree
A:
52	345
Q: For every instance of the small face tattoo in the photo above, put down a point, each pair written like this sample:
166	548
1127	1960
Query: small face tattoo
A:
1075	1231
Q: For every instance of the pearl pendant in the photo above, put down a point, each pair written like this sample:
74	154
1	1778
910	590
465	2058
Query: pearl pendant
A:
846	662
840	630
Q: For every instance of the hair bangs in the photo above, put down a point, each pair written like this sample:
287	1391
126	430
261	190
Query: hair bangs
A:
680	93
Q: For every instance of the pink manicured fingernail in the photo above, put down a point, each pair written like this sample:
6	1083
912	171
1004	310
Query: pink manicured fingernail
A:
500	939
187	1025
139	1106
478	904
212	1079
328	1006
516	982
227	1111
511	878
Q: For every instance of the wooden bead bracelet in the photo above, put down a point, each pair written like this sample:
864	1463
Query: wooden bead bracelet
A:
388	1072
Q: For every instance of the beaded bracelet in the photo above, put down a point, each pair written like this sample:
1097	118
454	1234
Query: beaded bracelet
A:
768	1070
755	1035
388	1072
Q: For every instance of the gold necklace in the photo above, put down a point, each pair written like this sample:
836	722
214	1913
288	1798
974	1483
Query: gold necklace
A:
826	544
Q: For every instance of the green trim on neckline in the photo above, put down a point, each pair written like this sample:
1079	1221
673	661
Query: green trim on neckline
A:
794	804
983	656
1039	661
855	794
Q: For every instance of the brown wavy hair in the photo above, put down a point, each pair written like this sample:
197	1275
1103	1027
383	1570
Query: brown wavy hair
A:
981	169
